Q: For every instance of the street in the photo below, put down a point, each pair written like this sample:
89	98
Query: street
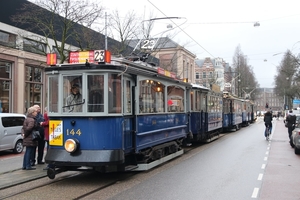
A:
239	165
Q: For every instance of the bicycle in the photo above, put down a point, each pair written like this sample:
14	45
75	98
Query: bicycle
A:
268	132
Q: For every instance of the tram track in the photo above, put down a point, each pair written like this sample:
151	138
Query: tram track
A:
81	182
92	184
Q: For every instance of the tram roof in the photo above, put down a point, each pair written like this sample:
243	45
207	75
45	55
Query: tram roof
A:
199	86
119	64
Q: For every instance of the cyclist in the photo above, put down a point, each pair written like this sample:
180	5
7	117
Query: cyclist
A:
268	121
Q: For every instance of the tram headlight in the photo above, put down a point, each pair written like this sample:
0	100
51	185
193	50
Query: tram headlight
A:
71	145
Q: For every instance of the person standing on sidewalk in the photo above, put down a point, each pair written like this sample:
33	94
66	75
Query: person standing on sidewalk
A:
291	122
29	125
45	124
41	141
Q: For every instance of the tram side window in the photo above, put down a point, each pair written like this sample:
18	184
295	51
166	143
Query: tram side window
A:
95	93
151	97
210	104
203	103
226	106
175	99
198	101
239	107
114	94
192	100
127	97
53	94
72	86
218	104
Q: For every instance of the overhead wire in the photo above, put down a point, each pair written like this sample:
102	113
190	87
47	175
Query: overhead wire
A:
181	29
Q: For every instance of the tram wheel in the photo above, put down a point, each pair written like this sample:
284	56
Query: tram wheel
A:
51	173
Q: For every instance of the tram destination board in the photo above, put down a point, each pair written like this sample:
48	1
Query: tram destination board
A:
93	56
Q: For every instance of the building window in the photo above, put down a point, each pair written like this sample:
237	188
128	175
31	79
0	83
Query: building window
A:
7	39
34	46
197	75
210	74
5	86
204	74
33	86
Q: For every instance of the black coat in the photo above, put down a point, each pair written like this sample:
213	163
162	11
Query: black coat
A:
268	118
291	120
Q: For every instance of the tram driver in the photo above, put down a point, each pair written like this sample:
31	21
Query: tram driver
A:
74	99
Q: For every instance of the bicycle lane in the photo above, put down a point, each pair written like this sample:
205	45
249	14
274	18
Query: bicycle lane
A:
282	174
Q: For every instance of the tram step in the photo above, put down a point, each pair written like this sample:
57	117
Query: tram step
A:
130	167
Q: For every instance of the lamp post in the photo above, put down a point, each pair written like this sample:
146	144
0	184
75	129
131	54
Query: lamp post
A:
285	98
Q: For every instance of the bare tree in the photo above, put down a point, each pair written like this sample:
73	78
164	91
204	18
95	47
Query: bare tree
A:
245	71
287	80
59	20
126	28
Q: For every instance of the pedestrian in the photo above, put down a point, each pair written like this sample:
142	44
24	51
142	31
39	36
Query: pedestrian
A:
45	124
41	141
291	122
30	124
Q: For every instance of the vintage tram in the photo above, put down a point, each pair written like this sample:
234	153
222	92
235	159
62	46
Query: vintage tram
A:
129	115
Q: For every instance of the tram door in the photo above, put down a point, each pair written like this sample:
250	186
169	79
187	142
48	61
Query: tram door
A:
128	119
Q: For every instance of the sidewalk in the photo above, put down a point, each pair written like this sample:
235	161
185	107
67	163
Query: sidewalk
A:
282	174
19	176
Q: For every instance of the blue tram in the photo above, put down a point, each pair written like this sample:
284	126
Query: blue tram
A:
128	116
232	112
205	114
249	112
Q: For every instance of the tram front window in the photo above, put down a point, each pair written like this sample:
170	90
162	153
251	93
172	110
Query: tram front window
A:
95	95
72	94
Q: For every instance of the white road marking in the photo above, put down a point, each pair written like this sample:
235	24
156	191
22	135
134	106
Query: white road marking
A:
263	166
265	158
255	193
260	176
267	152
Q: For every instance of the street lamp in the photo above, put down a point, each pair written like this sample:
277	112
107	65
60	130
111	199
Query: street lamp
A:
285	99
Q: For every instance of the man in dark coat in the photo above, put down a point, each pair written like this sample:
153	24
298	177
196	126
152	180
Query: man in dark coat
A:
291	122
268	121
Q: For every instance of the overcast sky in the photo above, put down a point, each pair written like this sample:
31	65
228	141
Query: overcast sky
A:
215	28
